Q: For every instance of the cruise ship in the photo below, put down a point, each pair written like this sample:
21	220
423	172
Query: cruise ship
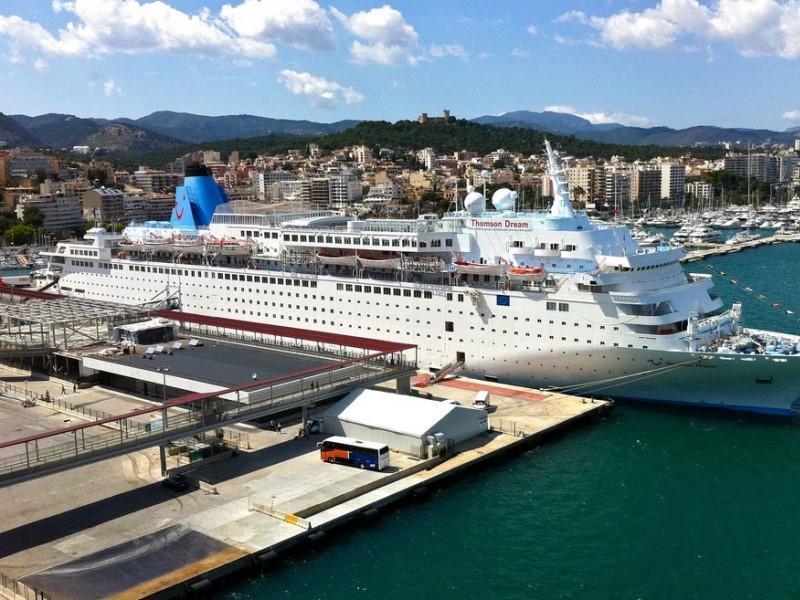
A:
543	299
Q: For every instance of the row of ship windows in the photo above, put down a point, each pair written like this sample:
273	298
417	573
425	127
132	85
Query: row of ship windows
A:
551	306
448	327
365	241
208	275
645	268
77	252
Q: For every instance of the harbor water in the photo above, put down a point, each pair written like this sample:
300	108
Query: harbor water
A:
651	502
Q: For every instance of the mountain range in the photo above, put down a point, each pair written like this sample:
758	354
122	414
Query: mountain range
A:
164	130
616	133
157	131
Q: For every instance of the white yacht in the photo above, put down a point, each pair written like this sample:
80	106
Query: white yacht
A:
545	299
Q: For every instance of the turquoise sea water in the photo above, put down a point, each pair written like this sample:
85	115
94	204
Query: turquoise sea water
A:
648	503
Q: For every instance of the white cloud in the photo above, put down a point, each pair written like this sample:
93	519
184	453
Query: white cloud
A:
110	88
300	23
532	29
320	91
573	15
754	27
104	27
520	53
599	118
40	65
560	108
387	38
440	51
791	115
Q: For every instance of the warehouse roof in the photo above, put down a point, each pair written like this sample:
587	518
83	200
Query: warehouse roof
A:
408	415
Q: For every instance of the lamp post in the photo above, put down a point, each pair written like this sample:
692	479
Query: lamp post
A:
164	371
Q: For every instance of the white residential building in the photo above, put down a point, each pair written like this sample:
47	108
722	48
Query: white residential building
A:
673	182
61	213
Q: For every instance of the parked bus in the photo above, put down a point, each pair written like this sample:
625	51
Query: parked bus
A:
350	451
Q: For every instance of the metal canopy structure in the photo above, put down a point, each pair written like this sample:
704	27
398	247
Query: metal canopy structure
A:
61	322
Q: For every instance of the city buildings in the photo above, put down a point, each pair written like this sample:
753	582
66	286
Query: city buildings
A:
761	167
60	213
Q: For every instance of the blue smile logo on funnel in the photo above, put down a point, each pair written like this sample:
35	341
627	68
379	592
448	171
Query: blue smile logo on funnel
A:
197	199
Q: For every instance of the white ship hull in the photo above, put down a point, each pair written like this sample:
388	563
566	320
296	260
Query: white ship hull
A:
512	351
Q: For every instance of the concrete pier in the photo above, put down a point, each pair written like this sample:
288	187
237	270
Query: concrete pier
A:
111	528
710	250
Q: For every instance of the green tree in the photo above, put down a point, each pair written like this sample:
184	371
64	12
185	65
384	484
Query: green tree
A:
20	234
32	216
99	175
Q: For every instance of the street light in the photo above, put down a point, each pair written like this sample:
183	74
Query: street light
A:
163	371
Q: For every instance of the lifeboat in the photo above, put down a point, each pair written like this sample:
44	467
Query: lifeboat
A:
349	260
537	274
379	263
472	268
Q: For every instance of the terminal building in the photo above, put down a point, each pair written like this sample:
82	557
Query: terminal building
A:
406	424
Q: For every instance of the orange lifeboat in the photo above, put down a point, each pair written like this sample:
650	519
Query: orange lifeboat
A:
527	273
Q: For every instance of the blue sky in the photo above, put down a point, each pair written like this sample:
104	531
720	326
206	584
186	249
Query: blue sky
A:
643	62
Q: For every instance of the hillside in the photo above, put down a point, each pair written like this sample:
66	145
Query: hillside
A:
14	134
199	128
690	136
614	133
122	137
553	122
57	130
466	135
64	131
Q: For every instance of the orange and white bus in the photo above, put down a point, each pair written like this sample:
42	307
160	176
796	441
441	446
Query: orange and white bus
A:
357	453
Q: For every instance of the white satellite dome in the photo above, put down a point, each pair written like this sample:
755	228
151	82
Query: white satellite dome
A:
504	199
475	203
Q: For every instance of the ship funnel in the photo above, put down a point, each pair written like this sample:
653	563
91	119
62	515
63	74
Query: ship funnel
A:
197	199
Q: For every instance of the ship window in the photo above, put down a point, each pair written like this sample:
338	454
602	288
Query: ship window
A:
551	306
427	295
553	246
417	294
407	293
461	297
563	307
448	326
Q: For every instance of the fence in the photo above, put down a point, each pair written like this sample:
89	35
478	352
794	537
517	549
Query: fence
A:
13	589
31	398
206	413
509	427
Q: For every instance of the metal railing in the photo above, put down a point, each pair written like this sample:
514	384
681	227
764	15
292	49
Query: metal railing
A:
120	435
